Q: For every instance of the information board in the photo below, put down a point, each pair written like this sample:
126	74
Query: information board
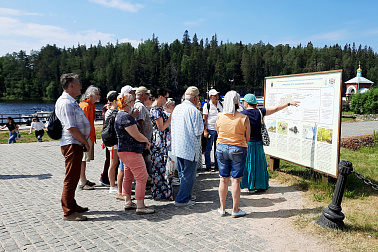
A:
308	135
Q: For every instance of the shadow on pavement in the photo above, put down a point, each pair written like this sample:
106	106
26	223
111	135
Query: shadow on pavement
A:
39	176
283	213
205	189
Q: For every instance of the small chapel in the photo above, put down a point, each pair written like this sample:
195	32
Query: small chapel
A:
358	84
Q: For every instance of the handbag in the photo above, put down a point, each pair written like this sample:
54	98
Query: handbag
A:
264	132
171	166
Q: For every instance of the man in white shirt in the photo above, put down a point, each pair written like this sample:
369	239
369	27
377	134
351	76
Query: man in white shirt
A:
210	115
75	133
187	128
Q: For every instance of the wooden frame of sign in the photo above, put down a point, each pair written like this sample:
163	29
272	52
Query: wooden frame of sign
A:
307	135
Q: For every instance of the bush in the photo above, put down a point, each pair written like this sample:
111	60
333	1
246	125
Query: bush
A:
345	105
357	142
366	103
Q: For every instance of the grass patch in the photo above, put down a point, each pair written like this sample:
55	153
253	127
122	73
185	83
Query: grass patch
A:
348	119
359	203
25	137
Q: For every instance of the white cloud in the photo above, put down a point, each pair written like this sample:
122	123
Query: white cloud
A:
16	36
134	43
14	12
371	32
11	26
195	22
331	36
119	4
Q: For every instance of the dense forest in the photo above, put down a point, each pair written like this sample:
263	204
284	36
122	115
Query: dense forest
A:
175	66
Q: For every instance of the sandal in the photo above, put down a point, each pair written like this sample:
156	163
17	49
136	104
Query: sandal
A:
130	207
145	210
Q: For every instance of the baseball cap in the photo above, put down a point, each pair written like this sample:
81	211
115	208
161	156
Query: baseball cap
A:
142	90
213	92
250	98
192	91
127	89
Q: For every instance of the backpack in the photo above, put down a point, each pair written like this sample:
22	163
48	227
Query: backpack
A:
54	127
208	106
108	133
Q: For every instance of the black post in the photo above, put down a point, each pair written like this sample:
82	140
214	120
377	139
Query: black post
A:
332	216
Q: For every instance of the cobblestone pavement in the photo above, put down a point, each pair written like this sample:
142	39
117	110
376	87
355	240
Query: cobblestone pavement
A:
31	180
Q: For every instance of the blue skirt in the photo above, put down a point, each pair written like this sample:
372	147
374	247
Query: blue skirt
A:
255	171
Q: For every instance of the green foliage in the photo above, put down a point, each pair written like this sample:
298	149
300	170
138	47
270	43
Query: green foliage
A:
191	61
365	103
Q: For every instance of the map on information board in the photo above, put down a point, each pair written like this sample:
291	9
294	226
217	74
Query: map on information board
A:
309	134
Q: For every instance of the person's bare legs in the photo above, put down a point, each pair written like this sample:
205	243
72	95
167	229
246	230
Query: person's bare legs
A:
112	168
83	178
119	181
235	190
223	189
139	202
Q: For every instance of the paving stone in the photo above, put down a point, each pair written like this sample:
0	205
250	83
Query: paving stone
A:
31	215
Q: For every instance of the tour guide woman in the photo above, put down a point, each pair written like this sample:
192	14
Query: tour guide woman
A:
130	147
255	173
233	134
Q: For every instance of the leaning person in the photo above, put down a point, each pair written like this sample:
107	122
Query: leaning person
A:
233	134
75	132
12	127
256	176
187	128
131	143
38	127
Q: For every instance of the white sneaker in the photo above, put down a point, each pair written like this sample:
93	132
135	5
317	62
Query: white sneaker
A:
222	212
175	181
238	214
113	190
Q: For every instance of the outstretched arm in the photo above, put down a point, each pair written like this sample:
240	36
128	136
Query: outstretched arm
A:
275	109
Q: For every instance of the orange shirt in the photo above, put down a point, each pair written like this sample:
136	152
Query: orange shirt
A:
232	129
90	111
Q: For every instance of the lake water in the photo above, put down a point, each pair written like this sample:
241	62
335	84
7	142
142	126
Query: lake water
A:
18	108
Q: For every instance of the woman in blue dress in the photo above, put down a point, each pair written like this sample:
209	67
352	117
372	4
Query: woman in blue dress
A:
160	186
255	177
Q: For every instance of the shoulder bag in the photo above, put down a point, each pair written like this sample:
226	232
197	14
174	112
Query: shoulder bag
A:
264	131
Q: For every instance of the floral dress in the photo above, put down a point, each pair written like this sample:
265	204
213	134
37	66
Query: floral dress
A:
160	186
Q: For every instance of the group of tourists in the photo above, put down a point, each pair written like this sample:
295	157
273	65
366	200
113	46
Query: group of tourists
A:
154	138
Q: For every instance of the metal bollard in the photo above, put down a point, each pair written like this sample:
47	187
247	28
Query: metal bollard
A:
332	216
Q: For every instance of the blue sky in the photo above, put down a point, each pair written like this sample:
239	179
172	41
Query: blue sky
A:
30	24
